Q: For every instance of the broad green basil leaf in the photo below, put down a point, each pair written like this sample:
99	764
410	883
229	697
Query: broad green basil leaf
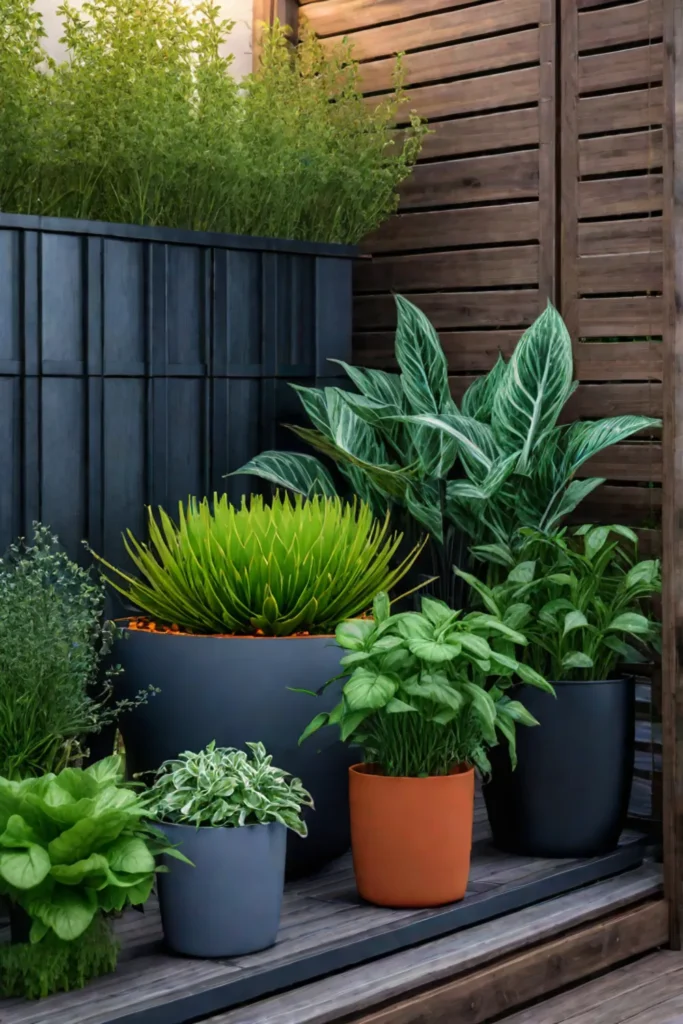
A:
355	634
368	689
631	622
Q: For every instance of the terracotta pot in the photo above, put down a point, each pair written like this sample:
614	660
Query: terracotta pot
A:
411	838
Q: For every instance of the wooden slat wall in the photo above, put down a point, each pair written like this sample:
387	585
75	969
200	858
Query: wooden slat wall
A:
611	276
473	241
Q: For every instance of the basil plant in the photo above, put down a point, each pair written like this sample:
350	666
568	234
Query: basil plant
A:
221	787
500	462
427	689
581	597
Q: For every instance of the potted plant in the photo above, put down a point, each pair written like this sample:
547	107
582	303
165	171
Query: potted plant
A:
581	598
240	606
424	702
76	847
229	812
500	462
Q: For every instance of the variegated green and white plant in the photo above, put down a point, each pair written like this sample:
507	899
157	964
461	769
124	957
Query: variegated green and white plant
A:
500	462
221	787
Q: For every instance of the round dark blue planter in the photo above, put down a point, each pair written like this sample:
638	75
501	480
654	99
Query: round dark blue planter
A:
569	795
236	690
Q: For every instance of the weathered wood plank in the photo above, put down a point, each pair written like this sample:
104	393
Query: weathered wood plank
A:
604	238
417	33
569	166
637	462
619	26
453	309
503	986
467	58
464	268
329	17
630	272
480	225
617	111
471	95
363	987
593	401
483	133
548	277
632	67
626	317
635	151
632	506
614	197
488	178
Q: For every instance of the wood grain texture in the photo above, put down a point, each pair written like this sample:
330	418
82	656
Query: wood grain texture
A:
475	226
632	506
617	111
328	17
482	134
547	155
460	269
471	95
490	178
614	197
632	67
365	987
453	309
626	317
568	170
634	151
536	972
629	272
619	26
672	487
635	235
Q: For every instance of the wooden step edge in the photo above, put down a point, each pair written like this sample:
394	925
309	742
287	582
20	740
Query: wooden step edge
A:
541	971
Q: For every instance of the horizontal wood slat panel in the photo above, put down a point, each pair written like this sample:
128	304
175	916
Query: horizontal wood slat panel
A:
613	197
618	111
452	309
632	272
506	51
334	16
416	33
631	506
623	68
490	92
636	151
640	463
593	401
467	268
601	238
476	179
628	316
474	226
484	133
477	351
618	26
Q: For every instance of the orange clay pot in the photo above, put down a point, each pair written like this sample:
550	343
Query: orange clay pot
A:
411	838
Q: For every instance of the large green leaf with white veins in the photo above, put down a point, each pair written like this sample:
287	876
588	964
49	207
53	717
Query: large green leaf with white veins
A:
424	370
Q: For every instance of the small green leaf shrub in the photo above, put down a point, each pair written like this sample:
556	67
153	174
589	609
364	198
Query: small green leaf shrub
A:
581	597
74	846
143	123
53	638
427	689
221	787
275	569
500	462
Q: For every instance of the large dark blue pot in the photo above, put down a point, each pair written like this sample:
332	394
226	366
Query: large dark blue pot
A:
235	690
569	795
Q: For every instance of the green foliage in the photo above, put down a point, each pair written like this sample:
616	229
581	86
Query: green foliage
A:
75	845
52	641
143	123
499	463
226	788
29	971
427	689
292	566
581	599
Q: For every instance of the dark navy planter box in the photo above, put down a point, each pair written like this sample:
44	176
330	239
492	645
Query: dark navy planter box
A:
140	365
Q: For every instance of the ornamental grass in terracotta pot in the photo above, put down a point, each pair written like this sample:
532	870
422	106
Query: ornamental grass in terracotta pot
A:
239	609
424	701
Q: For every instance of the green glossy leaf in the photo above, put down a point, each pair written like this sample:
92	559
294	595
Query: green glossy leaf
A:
354	634
368	689
631	622
434	651
303	474
595	540
577	659
574	620
522	573
131	855
424	370
25	868
67	911
317	723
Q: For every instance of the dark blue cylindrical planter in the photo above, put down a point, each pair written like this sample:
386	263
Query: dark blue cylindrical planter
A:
236	690
569	795
228	902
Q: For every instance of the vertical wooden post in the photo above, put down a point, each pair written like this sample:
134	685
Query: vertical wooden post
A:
569	167
265	12
672	513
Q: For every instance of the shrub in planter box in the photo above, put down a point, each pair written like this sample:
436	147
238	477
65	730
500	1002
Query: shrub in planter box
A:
424	704
241	607
581	598
75	848
229	812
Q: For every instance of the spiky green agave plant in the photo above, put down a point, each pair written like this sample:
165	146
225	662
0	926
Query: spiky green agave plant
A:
294	565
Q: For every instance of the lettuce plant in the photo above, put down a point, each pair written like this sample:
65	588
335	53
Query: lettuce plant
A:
222	787
500	462
274	569
426	689
581	597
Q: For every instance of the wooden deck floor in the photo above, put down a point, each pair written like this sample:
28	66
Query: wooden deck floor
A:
649	991
327	929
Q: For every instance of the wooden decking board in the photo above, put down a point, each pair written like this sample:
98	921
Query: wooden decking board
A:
362	988
325	928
